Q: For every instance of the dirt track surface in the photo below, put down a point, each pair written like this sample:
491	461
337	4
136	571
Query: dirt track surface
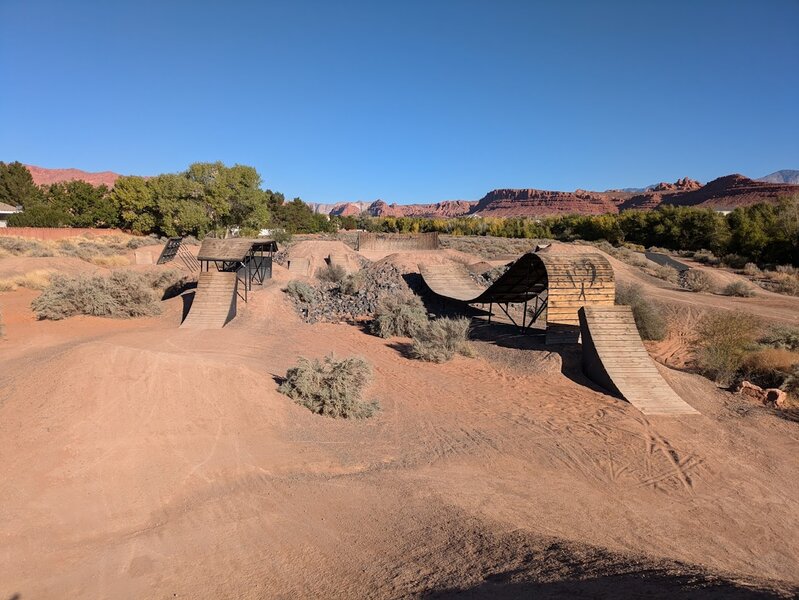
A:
141	460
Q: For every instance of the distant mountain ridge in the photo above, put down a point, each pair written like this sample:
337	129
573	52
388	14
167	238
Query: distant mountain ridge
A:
42	176
725	192
790	176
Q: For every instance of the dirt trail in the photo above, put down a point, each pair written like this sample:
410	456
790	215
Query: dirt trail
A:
149	461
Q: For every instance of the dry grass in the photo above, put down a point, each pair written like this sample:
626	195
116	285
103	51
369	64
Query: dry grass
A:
115	260
439	340
331	273
331	387
399	316
33	280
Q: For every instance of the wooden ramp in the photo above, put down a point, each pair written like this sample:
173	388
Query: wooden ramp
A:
614	357
451	281
300	266
214	301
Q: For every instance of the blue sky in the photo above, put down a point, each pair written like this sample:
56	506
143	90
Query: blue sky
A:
406	101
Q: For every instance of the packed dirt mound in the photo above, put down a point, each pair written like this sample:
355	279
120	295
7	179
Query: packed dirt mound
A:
408	262
317	253
64	265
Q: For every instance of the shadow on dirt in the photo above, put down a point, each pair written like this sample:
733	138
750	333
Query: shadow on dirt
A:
644	584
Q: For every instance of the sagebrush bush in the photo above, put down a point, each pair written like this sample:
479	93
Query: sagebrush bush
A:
331	387
697	281
722	342
399	316
740	289
706	256
648	319
439	340
781	336
751	269
352	284
123	294
301	291
331	273
666	273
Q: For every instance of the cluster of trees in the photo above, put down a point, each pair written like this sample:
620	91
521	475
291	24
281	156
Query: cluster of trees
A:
207	197
762	233
210	197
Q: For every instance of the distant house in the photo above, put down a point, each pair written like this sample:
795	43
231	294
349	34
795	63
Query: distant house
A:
5	211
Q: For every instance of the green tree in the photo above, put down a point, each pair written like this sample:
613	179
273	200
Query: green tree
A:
16	185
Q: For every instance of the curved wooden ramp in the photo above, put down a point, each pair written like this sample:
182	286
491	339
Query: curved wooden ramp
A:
451	281
344	261
614	357
214	302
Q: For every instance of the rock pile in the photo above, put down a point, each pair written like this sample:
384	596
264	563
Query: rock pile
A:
355	297
768	397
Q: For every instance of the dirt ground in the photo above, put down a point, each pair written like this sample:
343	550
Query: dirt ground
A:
145	461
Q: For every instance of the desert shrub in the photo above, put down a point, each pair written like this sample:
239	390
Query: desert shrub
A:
751	269
740	289
649	321
331	273
17	246
301	291
439	340
330	387
697	281
706	257
123	294
352	284
399	316
721	344
734	261
33	280
781	336
770	367
666	273
140	242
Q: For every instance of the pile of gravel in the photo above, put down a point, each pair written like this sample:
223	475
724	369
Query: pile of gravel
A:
488	278
356	296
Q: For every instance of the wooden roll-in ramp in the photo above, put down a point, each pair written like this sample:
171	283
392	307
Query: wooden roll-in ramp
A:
300	266
214	302
614	357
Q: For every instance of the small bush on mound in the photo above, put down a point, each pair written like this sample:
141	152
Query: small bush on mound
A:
331	387
399	316
352	284
301	291
697	281
781	336
649	321
722	342
740	289
666	273
751	269
439	340
123	294
331	273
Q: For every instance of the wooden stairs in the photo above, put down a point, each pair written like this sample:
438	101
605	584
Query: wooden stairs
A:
214	302
614	357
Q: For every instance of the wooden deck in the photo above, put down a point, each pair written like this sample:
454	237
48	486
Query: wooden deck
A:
614	357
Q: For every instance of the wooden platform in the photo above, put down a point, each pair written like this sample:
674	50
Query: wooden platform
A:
614	357
214	302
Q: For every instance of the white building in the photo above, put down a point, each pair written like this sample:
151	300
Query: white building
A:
5	211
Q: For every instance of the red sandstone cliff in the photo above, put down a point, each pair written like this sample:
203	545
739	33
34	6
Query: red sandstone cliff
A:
42	176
